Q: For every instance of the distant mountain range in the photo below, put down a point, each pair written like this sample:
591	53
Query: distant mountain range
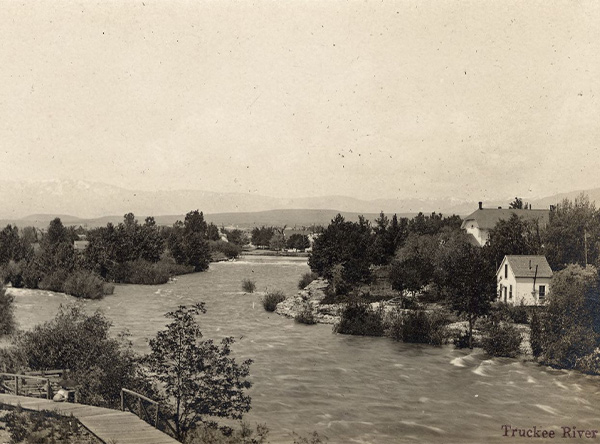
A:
36	203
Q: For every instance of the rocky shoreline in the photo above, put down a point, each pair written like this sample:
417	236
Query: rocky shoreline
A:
311	296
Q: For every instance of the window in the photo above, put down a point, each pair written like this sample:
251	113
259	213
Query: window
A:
542	291
510	293
505	271
500	292
505	294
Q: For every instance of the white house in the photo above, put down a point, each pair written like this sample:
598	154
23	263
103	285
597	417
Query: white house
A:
481	221
523	279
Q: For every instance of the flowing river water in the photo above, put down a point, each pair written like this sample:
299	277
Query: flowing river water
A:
350	389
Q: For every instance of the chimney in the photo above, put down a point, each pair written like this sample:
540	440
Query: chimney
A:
481	205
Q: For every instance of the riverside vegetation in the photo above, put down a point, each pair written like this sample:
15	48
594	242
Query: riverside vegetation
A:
130	252
437	277
196	380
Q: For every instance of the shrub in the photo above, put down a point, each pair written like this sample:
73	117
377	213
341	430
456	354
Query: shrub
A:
229	250
270	300
13	273
54	281
462	340
359	318
99	363
306	279
306	316
42	427
590	363
7	317
248	285
85	284
210	434
501	338
536	334
512	313
312	438
418	326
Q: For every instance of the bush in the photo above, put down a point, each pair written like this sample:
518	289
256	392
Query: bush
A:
359	318
270	300
42	427
462	340
536	334
85	284
7	317
248	285
306	279
210	434
501	339
13	273
54	281
306	316
99	364
590	363
513	313
229	250
418	326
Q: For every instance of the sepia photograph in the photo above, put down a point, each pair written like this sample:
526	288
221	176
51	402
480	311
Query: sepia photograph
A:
299	222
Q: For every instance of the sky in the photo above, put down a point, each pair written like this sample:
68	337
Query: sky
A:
471	99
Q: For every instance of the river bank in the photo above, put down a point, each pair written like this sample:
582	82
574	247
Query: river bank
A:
348	388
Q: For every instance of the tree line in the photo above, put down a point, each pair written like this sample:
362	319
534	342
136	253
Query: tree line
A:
128	252
432	256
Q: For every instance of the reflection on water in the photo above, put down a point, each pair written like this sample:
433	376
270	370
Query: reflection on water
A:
351	389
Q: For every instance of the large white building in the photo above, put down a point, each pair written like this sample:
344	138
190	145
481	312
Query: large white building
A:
481	221
523	279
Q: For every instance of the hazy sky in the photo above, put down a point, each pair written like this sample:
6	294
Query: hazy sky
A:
477	99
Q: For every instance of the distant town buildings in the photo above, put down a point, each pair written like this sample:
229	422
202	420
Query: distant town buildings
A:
481	221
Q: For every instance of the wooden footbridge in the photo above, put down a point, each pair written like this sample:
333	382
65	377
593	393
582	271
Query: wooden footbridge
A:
109	426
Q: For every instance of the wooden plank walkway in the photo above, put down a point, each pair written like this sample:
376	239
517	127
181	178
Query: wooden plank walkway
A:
110	426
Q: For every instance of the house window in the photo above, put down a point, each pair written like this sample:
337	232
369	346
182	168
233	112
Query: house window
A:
542	291
505	271
500	292
510	293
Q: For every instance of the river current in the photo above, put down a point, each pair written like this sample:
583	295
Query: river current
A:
349	389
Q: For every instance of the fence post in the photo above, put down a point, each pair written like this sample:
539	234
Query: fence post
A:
140	411
17	385
122	401
156	417
48	389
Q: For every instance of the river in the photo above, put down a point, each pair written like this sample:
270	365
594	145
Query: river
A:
350	389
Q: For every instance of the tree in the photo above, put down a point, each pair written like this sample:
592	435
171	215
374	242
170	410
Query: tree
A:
7	319
569	327
277	242
212	232
199	375
343	244
468	283
100	364
187	241
413	266
518	204
572	234
512	236
262	236
237	237
298	241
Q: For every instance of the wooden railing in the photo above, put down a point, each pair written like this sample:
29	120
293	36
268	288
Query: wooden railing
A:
20	385
142	411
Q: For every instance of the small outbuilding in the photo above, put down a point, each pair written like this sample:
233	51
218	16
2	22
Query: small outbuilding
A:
523	279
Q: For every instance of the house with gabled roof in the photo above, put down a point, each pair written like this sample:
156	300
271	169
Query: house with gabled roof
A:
479	223
523	279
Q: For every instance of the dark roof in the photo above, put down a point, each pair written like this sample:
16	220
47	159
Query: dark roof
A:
524	266
487	218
